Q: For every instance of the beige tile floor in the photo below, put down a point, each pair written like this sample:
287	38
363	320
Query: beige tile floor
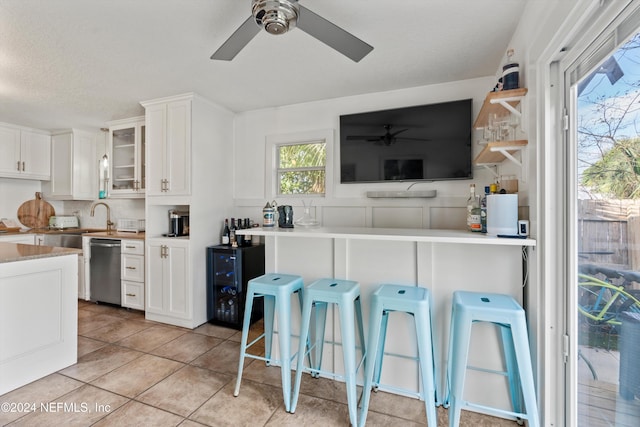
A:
131	371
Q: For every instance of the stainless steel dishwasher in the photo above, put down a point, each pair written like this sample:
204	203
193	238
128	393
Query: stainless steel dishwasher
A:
105	271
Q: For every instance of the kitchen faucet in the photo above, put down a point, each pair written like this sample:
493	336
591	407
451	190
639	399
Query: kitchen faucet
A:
109	223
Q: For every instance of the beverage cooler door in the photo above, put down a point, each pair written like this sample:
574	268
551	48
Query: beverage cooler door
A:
228	270
227	286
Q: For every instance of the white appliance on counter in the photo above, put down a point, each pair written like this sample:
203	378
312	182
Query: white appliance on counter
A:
130	225
64	221
502	214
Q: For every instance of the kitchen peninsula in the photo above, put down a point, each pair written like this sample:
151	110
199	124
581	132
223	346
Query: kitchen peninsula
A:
441	260
38	312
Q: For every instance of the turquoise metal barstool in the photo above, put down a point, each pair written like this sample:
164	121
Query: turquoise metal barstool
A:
276	289
416	302
504	311
346	295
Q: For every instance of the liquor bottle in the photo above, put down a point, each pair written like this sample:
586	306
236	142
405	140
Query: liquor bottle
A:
476	224
247	237
239	237
225	232
483	210
232	233
470	200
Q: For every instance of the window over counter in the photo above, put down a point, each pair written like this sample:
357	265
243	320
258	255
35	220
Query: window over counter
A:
300	164
301	168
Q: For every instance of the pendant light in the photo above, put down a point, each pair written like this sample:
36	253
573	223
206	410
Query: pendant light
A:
104	169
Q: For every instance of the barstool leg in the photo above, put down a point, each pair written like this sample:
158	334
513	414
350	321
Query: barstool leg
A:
379	353
461	329
347	329
427	364
284	338
512	367
269	312
301	300
375	319
246	323
358	307
317	329
304	336
521	345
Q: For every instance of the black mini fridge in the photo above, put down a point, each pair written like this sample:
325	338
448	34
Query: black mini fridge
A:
228	272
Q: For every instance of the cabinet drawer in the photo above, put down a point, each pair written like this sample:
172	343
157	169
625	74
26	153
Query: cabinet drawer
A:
132	268
134	247
133	295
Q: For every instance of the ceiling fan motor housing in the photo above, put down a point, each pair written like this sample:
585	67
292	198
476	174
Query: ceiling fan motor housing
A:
275	16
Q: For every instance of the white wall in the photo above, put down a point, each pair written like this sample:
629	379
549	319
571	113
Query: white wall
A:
347	204
13	193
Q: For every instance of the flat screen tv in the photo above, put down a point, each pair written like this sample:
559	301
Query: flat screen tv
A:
426	142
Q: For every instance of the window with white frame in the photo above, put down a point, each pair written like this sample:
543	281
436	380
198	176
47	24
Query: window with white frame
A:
301	168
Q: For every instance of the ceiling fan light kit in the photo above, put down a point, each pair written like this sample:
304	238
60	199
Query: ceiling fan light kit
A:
276	17
280	16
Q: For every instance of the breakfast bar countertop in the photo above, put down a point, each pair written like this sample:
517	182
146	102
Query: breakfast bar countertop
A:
395	234
11	252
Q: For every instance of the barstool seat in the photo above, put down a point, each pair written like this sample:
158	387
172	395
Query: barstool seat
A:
504	311
276	289
346	295
415	301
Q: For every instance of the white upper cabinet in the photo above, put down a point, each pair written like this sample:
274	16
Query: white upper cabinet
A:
168	136
128	165
74	167
24	153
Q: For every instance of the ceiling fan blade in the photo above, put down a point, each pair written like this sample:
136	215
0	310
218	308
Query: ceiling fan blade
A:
402	138
363	137
332	35
400	131
238	40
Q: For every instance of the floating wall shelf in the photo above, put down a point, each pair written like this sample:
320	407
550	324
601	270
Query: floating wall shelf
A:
500	103
496	152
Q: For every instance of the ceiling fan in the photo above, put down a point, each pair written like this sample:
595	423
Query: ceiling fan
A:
389	138
280	16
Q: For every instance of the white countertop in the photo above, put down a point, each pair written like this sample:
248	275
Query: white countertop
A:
396	234
11	252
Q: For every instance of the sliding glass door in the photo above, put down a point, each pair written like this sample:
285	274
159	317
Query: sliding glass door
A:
603	94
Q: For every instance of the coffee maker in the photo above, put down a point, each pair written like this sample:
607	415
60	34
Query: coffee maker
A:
285	216
178	223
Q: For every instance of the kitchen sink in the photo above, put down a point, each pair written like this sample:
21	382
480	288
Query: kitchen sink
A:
64	240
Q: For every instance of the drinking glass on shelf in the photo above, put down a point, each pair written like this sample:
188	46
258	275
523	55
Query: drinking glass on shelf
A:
514	122
504	129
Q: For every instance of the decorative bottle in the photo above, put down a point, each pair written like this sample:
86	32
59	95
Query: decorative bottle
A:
470	200
483	210
225	233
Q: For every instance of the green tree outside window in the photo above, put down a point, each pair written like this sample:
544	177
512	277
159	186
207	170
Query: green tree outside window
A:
301	168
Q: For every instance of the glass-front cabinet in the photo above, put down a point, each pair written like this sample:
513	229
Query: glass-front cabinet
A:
127	141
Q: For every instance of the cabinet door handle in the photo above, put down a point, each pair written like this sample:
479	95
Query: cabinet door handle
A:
18	165
22	166
131	295
130	268
130	247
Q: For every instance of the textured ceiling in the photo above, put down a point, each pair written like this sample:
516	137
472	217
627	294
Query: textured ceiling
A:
80	63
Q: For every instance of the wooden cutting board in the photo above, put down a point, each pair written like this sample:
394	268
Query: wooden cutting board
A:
35	213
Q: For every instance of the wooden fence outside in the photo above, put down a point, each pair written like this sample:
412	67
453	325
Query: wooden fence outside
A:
609	233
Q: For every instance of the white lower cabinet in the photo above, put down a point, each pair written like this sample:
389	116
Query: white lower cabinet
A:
132	274
168	290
